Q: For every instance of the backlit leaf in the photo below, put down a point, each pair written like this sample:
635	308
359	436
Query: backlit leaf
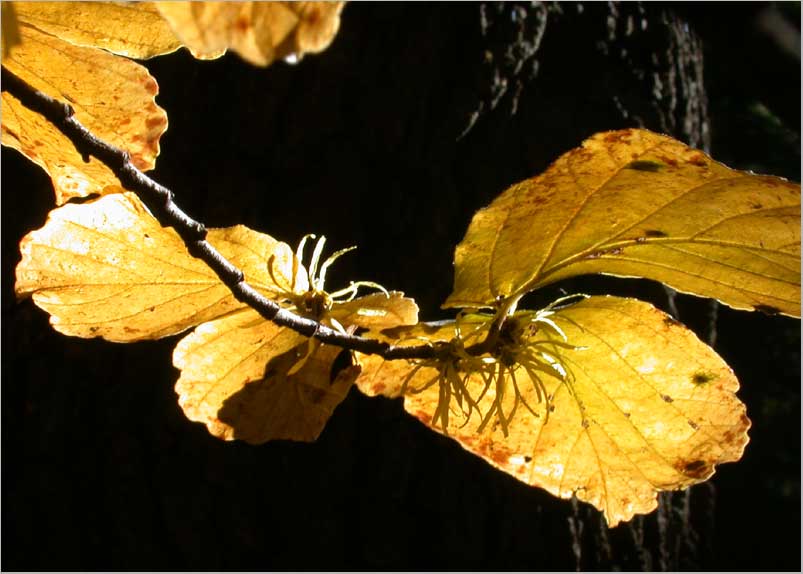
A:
248	379
377	311
637	204
235	379
113	97
380	377
132	29
646	407
260	32
108	269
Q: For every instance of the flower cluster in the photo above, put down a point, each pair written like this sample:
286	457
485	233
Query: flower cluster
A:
490	364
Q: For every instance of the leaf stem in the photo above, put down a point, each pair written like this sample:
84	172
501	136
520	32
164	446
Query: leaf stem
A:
159	201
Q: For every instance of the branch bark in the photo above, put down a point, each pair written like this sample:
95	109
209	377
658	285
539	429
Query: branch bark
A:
159	200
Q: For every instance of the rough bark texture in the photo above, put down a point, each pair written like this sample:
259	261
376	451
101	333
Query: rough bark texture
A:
418	115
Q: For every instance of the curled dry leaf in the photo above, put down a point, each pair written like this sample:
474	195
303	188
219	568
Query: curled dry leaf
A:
113	97
637	204
132	29
646	407
108	269
260	32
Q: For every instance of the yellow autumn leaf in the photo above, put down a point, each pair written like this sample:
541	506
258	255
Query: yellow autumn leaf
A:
220	357
637	204
235	378
246	378
637	405
132	29
109	269
225	385
376	311
112	97
260	32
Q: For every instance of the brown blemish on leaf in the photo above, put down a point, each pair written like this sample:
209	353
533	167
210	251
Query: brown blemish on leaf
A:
655	233
150	85
242	24
667	398
695	468
378	387
528	459
423	416
155	122
702	378
644	165
694	425
496	452
698	159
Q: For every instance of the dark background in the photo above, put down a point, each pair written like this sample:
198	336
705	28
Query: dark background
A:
414	118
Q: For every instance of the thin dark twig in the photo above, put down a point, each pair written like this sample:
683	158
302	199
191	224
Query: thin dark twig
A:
159	200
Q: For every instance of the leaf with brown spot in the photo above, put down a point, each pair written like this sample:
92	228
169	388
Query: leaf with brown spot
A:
112	97
612	438
260	32
637	204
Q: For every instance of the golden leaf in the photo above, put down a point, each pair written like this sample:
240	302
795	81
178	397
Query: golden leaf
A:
246	378
260	32
132	29
234	378
376	311
637	204
380	377
644	406
108	269
112	97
